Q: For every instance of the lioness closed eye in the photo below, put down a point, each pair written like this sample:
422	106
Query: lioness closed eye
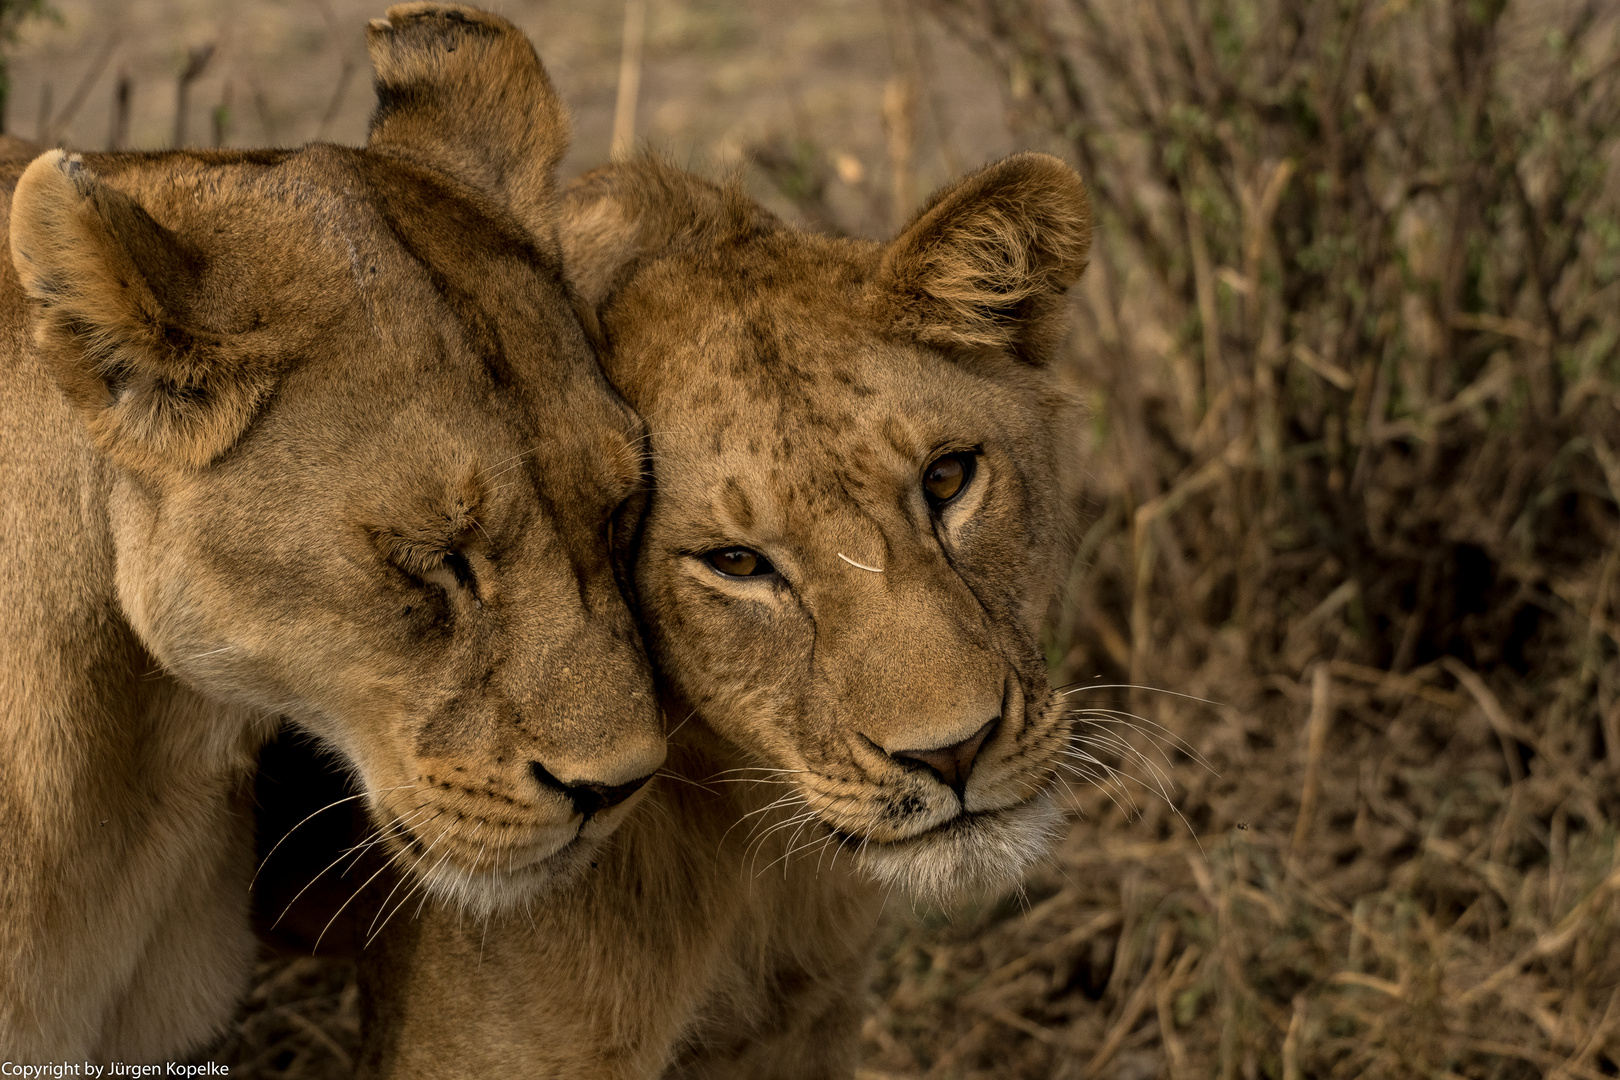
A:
849	547
307	433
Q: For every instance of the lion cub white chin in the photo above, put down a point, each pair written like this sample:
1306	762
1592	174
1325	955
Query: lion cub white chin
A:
311	433
849	547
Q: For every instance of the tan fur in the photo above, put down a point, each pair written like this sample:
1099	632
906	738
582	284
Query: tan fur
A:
312	434
795	388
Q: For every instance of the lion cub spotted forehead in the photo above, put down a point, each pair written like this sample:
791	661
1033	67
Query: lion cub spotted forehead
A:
790	379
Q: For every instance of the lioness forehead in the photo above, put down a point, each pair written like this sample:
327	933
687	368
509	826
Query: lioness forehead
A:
394	302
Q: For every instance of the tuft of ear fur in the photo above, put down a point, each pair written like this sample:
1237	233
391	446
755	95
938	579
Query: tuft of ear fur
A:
113	286
986	263
614	216
461	91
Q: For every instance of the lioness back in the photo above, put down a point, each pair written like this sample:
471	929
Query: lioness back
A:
312	434
851	542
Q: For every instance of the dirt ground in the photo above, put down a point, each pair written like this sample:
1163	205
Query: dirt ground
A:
1317	837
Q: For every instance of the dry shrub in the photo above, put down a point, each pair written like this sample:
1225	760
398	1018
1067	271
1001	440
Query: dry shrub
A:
1349	337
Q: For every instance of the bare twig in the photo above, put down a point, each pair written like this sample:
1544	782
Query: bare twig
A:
624	107
196	64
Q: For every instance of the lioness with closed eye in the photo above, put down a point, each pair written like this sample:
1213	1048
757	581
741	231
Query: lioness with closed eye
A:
311	433
847	554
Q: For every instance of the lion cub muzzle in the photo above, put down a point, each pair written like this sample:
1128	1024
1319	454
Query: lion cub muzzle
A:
951	764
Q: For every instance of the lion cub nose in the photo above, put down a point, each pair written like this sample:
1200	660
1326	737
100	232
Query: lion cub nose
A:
588	798
950	763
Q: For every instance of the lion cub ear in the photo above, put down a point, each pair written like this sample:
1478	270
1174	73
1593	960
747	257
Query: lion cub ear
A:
461	91
986	263
113	287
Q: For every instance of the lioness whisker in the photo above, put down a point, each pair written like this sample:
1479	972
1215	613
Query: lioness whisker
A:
756	768
1117	779
426	892
210	652
1080	688
418	883
670	734
373	929
746	780
361	888
398	827
489	473
322	810
378	834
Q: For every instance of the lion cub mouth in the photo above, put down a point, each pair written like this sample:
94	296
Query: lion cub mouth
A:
972	852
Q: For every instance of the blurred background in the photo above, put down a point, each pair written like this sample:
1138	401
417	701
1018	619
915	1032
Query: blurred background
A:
1342	630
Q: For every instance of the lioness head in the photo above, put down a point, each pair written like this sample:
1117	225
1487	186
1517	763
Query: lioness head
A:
362	466
855	522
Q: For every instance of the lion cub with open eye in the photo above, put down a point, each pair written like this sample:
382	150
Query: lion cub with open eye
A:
851	542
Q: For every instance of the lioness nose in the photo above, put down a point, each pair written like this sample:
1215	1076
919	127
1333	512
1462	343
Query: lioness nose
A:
588	798
950	763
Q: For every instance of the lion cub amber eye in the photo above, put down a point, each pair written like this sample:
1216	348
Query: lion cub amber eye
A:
945	477
739	562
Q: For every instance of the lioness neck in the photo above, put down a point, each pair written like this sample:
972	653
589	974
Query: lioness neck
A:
95	873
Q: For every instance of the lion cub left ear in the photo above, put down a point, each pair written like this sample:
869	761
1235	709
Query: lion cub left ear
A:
986	263
461	91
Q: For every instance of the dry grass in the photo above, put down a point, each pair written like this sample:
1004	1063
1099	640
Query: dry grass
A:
1352	478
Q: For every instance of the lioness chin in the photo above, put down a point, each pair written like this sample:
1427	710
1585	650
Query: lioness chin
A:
850	544
309	433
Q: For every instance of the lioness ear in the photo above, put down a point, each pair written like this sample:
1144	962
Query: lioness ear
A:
157	390
462	91
986	263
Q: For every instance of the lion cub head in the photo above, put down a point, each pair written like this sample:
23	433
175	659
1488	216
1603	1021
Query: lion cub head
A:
855	524
361	465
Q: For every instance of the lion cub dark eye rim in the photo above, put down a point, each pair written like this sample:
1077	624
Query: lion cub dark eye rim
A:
738	562
947	476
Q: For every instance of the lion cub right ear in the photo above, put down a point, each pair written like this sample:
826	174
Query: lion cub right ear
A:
461	90
986	262
115	289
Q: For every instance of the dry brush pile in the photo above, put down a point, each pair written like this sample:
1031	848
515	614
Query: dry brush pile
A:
1352	478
